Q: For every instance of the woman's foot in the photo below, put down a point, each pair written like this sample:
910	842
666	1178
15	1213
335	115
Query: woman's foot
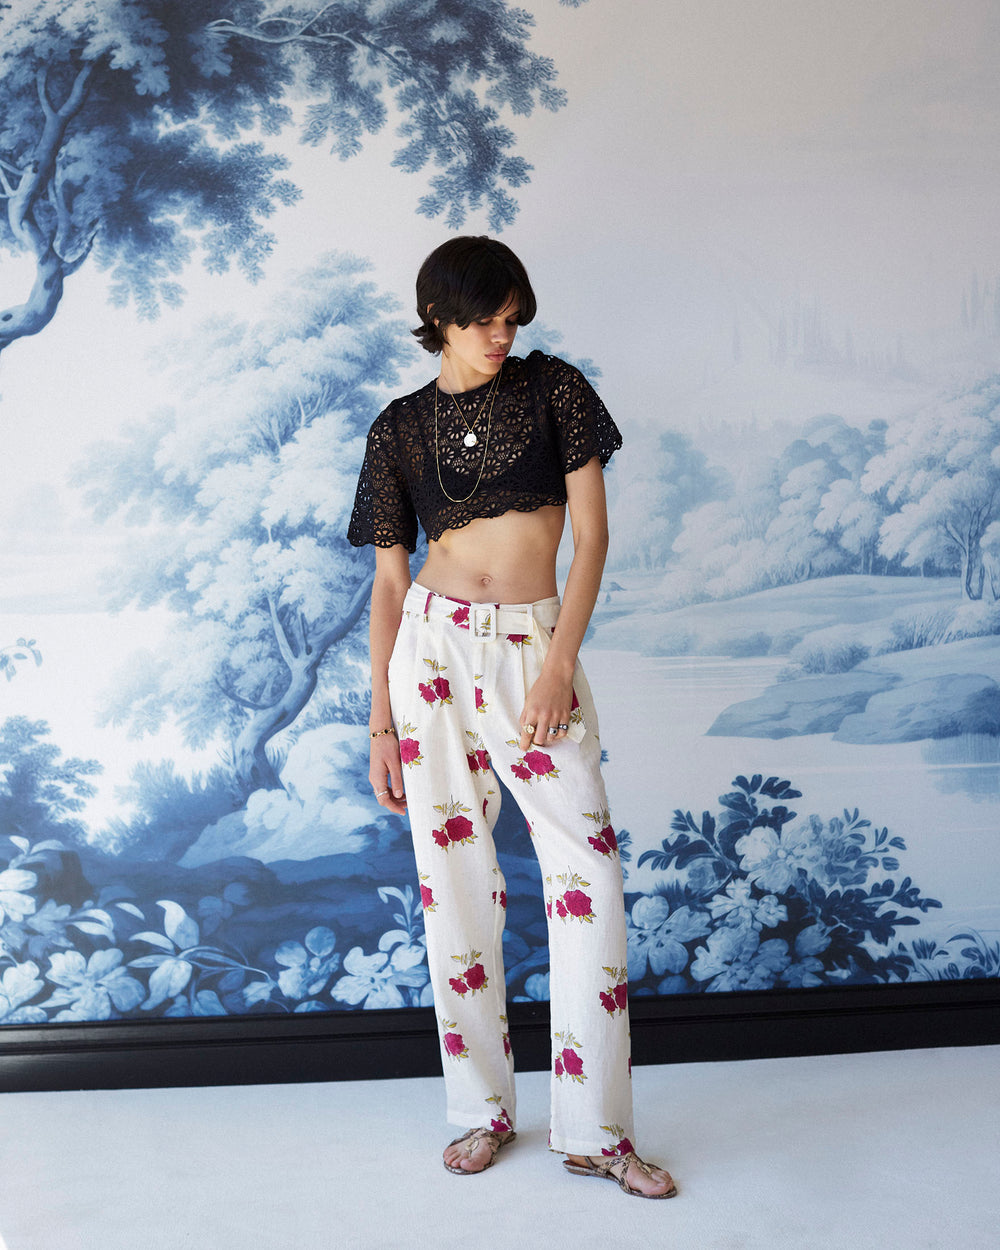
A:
632	1174
475	1150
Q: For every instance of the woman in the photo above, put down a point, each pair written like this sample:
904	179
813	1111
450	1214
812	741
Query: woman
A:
470	678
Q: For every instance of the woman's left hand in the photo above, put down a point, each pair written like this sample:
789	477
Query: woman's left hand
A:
546	708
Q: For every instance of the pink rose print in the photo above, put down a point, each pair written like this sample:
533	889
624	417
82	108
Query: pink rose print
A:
532	764
540	764
615	999
474	978
501	1122
460	617
506	1038
459	829
437	689
605	842
519	640
454	1041
572	1063
622	1146
578	903
427	898
455	828
480	701
478	757
479	761
503	898
409	751
572	903
568	1061
548	909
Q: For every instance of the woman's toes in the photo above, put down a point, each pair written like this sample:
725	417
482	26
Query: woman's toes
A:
655	1181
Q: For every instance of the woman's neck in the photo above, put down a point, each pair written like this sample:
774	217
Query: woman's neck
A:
456	377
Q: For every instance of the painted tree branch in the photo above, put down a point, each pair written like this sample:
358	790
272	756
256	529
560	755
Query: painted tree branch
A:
38	183
253	768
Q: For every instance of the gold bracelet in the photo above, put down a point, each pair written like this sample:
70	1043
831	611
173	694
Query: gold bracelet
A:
379	732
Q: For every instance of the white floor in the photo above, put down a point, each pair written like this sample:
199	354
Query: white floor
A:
846	1152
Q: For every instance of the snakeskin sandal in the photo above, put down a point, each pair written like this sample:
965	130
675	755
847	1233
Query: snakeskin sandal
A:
615	1168
475	1136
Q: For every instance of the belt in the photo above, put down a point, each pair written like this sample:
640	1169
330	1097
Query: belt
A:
485	620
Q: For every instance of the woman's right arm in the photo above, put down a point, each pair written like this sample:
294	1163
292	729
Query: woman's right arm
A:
392	581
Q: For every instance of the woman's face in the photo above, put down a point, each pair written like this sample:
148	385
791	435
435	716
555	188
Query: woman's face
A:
474	354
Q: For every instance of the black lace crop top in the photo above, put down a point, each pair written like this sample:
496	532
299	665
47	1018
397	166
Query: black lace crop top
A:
547	420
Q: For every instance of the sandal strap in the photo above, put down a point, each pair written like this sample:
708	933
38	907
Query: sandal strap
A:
476	1136
617	1166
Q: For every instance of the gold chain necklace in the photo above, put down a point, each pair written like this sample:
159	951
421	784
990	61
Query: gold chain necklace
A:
470	439
491	396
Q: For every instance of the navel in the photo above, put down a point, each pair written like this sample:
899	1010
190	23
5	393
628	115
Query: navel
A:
485	580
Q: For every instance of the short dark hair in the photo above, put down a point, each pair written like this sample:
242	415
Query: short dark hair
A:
466	279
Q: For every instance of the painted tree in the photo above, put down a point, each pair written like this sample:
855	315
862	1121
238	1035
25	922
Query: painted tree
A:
41	794
774	528
239	497
941	468
135	131
662	476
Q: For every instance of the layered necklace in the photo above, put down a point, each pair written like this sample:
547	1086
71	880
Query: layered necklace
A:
471	439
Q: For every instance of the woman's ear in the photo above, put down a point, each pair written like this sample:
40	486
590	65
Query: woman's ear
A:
434	319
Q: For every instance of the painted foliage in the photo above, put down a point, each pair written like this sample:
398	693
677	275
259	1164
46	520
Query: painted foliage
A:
211	217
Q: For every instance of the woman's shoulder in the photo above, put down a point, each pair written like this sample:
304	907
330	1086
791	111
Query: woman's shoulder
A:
547	370
401	408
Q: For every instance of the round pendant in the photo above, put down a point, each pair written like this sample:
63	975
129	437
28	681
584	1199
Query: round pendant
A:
470	439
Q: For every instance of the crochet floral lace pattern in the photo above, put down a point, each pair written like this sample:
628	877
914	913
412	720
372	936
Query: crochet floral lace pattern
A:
547	420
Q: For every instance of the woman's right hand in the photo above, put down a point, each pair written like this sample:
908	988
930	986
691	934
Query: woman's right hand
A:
386	774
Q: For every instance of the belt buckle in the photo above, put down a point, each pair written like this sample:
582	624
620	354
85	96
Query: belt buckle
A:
484	623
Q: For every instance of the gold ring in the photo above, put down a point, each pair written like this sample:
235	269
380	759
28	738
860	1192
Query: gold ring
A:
528	729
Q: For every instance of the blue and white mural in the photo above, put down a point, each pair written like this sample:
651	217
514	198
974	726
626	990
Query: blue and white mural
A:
768	231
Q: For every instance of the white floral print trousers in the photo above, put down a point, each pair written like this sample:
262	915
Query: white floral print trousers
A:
457	681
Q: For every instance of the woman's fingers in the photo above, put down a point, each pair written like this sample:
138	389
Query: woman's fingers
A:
536	727
386	775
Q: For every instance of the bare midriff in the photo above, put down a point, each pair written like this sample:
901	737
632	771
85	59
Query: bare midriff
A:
504	559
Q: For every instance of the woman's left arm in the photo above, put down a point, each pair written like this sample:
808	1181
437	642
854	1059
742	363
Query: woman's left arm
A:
550	699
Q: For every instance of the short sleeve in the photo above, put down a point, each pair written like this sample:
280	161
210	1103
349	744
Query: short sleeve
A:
583	426
383	510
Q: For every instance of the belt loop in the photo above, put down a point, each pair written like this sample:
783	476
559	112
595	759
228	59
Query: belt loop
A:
427	606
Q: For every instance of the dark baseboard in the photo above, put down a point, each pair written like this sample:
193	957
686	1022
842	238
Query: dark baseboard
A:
377	1044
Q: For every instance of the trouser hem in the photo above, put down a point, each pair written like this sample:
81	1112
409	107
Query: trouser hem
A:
475	1119
577	1145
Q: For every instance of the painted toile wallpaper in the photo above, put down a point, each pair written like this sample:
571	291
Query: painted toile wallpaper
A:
767	231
